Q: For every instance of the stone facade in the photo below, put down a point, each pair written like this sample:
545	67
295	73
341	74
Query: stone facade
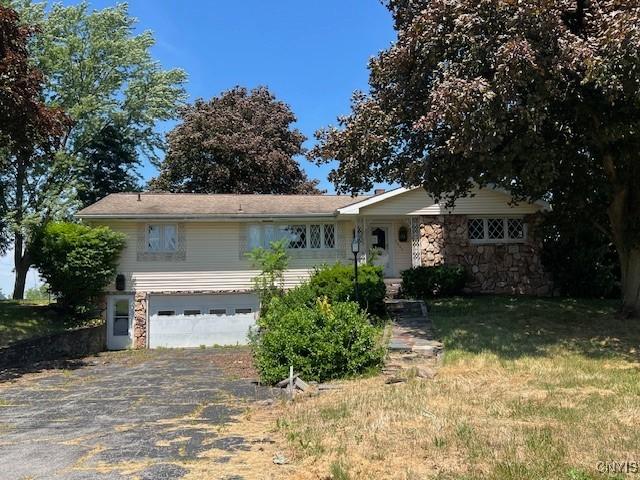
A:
140	320
493	268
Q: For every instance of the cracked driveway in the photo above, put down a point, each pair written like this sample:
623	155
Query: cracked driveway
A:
124	415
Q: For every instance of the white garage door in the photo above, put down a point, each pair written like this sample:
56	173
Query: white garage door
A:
194	320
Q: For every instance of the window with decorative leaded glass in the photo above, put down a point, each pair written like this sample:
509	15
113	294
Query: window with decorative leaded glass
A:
495	228
297	235
329	235
315	239
476	228
515	228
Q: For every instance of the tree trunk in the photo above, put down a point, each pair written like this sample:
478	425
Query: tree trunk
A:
630	264
628	248
21	260
22	268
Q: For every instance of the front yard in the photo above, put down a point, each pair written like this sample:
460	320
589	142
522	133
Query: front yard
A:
530	389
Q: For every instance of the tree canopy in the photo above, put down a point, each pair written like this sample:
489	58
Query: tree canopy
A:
103	77
539	97
28	127
238	142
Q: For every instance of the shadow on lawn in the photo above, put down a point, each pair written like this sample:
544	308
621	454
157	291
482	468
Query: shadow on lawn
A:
513	327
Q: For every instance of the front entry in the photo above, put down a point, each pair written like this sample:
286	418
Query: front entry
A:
380	247
119	322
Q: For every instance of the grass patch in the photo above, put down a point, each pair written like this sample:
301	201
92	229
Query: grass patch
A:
530	389
20	320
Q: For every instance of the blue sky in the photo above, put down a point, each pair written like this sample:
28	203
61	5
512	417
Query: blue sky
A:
312	54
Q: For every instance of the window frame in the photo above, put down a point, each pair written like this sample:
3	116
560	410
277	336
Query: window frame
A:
163	239
505	238
261	231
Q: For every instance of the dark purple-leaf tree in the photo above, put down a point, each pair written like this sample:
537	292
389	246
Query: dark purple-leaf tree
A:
535	96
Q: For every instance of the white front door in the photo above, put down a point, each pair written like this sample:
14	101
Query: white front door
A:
380	247
119	322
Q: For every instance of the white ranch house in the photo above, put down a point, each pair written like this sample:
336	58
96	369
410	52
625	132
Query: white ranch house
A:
184	279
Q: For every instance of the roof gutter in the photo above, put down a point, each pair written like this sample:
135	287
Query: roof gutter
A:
117	216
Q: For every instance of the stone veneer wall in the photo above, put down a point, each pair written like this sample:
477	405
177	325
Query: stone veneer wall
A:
492	268
140	320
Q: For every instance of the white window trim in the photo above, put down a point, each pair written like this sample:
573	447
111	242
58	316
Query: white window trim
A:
307	226
505	239
162	237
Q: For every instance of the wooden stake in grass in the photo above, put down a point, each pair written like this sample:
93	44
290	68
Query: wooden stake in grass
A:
290	382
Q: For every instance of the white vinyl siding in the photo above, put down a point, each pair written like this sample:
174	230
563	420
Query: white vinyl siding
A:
417	202
215	259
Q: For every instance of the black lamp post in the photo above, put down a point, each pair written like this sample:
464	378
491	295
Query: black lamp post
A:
355	248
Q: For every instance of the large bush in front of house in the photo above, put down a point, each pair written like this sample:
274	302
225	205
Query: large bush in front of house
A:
322	341
77	262
337	283
438	281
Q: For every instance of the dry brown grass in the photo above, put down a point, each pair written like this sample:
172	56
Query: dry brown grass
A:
551	405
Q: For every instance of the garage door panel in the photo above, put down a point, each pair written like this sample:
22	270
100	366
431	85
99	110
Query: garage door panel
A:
180	330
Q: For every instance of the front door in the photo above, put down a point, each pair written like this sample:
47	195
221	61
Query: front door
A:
380	247
119	322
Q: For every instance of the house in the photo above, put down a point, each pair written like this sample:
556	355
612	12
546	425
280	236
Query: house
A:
184	279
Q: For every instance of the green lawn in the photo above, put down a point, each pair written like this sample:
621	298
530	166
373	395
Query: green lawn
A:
529	389
24	319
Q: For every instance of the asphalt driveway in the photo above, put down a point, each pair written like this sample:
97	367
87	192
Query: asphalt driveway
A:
125	415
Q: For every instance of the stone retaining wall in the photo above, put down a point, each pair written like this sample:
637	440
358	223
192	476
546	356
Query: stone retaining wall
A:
71	344
493	268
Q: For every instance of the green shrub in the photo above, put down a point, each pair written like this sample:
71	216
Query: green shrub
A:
439	281
272	262
336	282
323	341
77	261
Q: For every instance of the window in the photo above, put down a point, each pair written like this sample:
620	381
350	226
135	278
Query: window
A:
313	236
162	238
191	312
166	313
243	310
218	311
495	230
121	318
297	235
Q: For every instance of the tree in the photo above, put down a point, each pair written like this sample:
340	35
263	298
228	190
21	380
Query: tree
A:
29	132
103	76
537	97
108	166
239	142
77	261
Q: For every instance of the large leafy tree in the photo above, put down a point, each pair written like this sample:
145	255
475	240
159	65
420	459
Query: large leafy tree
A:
29	130
108	165
104	77
239	142
540	97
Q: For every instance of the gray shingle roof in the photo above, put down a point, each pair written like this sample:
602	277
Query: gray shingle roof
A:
127	205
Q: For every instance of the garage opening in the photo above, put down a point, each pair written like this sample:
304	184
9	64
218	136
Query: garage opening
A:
193	320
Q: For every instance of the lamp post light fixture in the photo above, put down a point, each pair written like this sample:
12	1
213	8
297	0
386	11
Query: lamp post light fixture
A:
355	248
